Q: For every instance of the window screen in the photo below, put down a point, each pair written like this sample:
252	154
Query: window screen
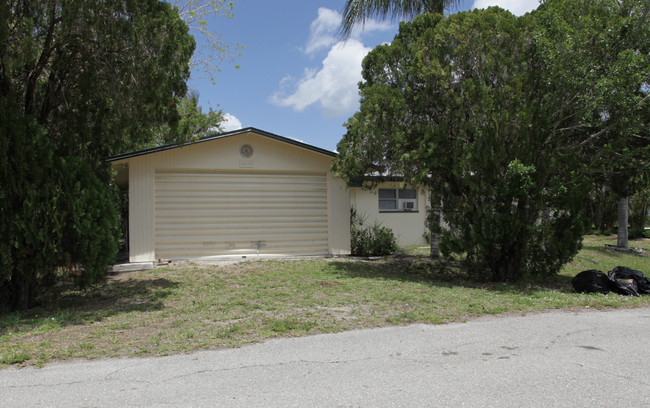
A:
397	199
387	199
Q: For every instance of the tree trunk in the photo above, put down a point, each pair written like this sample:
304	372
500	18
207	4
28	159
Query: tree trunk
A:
434	225
501	270
22	292
623	211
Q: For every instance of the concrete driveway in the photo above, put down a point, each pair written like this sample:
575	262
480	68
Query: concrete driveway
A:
554	359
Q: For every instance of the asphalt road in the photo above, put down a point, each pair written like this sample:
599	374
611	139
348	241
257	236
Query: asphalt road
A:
555	359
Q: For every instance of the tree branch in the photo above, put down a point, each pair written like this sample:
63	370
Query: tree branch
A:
590	138
32	78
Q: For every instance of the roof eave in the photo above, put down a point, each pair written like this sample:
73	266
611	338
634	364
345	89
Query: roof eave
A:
163	148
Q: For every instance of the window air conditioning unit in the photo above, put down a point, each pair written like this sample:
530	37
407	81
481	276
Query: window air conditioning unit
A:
408	205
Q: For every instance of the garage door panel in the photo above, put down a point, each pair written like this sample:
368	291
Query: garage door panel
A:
234	211
242	206
202	214
220	199
200	219
200	236
220	230
261	191
235	183
237	247
179	230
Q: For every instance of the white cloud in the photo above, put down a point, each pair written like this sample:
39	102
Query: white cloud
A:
516	7
324	31
334	87
230	123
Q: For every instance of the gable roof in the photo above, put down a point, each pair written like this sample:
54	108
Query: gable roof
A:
222	136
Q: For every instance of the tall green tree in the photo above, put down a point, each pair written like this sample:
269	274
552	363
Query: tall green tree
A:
507	118
460	104
192	125
96	74
358	11
597	56
80	80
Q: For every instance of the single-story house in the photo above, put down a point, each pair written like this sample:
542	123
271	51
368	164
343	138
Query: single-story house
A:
251	192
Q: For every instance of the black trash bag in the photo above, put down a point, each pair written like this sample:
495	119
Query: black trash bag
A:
591	281
644	286
623	272
640	285
625	289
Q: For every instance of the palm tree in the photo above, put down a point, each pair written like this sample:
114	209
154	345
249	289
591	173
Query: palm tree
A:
357	11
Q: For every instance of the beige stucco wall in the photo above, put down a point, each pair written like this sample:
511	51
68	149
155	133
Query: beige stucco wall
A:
409	227
224	155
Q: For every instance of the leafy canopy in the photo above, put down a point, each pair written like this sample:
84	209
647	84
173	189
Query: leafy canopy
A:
601	70
476	107
80	80
97	75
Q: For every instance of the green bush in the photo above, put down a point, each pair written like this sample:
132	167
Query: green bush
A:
370	240
57	215
515	229
91	234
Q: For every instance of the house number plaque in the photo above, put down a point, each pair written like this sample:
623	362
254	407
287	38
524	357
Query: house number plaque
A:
246	153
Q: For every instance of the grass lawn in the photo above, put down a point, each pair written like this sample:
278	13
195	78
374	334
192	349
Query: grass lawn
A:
188	307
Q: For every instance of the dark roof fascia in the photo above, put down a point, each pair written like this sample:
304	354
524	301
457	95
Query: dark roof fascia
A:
358	182
222	136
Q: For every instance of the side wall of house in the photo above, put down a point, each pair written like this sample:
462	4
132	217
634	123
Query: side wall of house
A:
338	216
270	157
408	226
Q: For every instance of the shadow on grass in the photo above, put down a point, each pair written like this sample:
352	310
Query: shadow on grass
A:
600	248
69	306
444	274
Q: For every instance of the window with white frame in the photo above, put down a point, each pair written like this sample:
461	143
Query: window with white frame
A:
398	199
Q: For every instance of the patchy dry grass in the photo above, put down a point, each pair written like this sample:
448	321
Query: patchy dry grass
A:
593	256
189	307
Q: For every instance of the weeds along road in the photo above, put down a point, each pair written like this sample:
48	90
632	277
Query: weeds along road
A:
553	359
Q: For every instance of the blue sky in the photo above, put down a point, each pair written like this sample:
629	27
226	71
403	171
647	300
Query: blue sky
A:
295	78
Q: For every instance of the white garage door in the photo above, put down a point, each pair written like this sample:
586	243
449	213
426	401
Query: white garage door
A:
201	214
